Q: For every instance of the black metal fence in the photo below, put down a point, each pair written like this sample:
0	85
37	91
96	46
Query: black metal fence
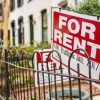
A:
21	80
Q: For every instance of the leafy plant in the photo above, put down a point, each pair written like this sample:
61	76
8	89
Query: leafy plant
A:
13	78
43	45
91	7
30	49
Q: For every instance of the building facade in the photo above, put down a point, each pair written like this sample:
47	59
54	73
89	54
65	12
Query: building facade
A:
66	3
30	21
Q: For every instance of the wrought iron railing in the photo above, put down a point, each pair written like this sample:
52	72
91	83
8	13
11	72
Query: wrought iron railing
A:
21	80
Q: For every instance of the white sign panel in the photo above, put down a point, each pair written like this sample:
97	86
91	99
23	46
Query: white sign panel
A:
70	31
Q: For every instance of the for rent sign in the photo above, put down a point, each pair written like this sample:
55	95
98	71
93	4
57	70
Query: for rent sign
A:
41	60
71	31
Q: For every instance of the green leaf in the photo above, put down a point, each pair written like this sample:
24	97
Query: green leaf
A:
91	7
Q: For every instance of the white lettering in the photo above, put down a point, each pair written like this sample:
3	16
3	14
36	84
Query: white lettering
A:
61	21
67	40
94	48
88	28
77	44
77	26
58	36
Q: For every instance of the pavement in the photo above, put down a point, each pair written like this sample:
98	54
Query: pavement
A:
97	97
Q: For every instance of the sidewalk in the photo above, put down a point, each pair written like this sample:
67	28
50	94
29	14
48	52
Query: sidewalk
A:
96	97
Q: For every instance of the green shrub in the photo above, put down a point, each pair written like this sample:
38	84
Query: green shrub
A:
43	45
91	7
30	49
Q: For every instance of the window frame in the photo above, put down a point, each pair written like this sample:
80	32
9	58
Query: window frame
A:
12	5
19	3
13	32
44	27
31	26
21	28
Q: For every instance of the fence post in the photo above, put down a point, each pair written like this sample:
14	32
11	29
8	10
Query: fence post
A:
7	85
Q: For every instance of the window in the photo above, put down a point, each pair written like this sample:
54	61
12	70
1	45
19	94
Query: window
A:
12	5
76	2
21	31
1	37
1	34
13	32
9	36
1	12
31	29
1	9
20	3
29	0
44	25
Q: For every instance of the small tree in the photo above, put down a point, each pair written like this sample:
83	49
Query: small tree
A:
91	7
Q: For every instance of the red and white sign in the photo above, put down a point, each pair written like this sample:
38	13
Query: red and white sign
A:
41	60
70	31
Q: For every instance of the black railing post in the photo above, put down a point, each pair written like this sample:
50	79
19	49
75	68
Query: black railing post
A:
89	62
7	85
